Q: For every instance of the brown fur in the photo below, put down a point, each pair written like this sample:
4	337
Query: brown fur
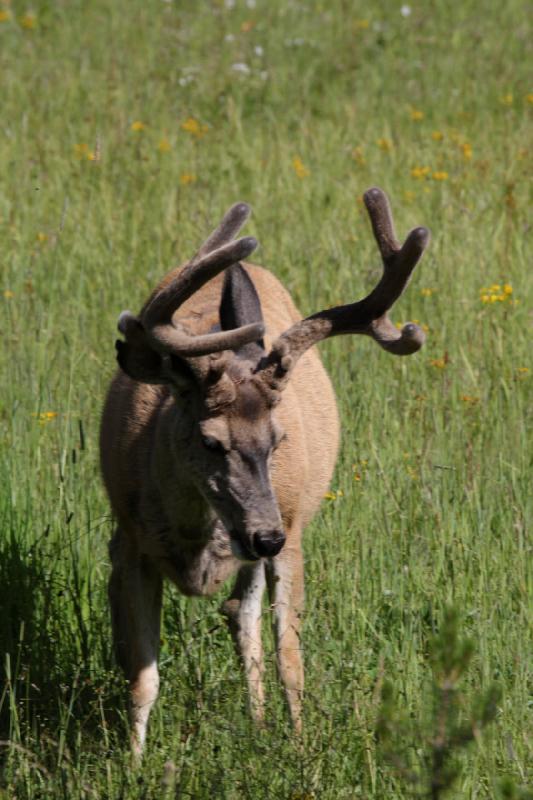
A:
217	453
161	520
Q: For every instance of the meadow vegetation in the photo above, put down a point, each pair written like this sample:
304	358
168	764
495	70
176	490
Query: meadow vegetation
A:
127	129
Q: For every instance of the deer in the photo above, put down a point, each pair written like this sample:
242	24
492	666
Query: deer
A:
218	441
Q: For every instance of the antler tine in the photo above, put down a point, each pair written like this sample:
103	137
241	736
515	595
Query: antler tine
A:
398	261
229	227
380	213
168	297
155	320
169	339
367	316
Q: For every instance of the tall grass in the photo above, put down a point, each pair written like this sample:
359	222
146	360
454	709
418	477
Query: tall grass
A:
432	489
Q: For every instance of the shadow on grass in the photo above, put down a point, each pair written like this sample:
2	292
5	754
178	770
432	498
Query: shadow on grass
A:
55	643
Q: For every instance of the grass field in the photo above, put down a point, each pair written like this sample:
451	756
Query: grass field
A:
127	128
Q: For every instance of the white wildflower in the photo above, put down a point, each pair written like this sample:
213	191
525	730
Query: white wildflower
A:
241	67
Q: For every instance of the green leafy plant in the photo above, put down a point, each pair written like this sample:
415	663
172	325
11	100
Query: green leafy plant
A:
425	754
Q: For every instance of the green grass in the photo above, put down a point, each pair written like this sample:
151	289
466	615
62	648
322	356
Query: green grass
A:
439	440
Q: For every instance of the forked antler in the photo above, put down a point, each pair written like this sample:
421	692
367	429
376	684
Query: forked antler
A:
367	316
155	320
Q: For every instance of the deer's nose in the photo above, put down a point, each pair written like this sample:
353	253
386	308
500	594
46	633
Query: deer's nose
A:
268	543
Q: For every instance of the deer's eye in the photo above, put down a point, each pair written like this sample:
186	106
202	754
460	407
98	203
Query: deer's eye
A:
213	444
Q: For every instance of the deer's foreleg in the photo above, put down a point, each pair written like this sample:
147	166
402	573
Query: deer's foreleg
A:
286	583
135	591
243	612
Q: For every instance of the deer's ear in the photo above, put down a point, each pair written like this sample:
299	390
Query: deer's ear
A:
240	305
138	359
140	362
143	364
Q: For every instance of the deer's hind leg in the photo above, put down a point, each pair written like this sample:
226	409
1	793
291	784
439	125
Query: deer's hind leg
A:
243	611
286	585
135	593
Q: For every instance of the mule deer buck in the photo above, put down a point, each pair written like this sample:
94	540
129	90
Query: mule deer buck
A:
218	441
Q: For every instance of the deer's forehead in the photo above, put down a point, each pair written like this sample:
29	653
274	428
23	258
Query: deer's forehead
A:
249	415
250	404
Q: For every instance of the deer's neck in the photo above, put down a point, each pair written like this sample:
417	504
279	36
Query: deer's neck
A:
194	549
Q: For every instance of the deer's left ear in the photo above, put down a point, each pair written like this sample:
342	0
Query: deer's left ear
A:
240	305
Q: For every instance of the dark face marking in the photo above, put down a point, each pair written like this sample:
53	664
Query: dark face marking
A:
232	453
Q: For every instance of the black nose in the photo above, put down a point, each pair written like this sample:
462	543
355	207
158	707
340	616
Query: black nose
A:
268	543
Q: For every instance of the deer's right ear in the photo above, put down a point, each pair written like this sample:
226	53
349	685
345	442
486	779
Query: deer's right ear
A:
140	363
138	359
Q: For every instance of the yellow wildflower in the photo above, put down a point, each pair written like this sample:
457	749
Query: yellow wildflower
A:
299	167
5	14
507	99
8	294
420	172
529	97
164	145
359	469
467	150
42	237
137	126
438	363
437	136
427	292
45	416
334	495
440	175
28	21
81	150
187	178
522	373
358	157
416	115
194	127
496	293
409	196
361	24
384	144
